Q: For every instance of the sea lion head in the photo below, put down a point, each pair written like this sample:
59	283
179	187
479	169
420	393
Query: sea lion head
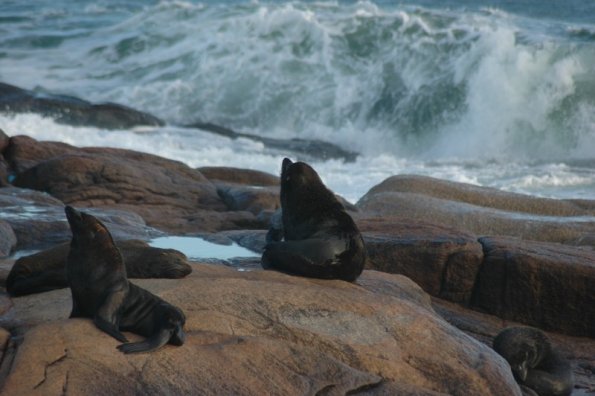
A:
84	227
298	175
523	348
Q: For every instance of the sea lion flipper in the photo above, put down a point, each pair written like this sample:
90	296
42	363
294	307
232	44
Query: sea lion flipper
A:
309	257
545	383
106	317
148	345
109	328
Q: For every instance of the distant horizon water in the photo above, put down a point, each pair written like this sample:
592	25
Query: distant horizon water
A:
494	93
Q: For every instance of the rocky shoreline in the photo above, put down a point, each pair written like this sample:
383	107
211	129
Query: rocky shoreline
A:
488	259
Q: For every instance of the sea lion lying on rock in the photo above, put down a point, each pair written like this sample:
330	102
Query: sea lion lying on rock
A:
46	270
100	290
320	240
534	362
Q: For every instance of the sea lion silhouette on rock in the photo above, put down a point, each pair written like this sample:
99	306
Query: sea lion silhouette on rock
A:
100	290
534	362
320	240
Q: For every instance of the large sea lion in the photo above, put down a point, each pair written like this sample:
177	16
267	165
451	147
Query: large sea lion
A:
46	270
320	240
100	290
534	362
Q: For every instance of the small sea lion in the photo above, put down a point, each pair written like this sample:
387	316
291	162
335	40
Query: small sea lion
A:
46	270
320	240
534	362
100	290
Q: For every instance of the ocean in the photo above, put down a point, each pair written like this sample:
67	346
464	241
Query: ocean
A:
494	93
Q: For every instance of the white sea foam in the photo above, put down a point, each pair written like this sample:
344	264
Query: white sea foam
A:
414	90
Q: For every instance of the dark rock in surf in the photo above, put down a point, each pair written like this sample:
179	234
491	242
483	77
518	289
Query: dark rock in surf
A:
308	148
71	110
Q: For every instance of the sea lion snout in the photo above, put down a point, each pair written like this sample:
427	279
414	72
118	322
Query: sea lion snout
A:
72	214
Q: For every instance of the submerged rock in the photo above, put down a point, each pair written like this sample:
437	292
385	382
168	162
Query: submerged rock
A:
263	332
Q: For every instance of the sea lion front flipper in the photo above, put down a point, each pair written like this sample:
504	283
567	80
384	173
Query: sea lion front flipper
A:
150	344
106	318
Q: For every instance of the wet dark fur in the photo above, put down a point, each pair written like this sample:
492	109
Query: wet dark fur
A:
101	291
320	240
534	363
46	270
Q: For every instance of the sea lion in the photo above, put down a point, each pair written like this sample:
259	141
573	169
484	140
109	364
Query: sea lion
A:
320	239
100	290
46	270
534	362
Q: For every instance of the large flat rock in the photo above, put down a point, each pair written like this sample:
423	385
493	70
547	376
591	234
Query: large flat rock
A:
262	332
482	210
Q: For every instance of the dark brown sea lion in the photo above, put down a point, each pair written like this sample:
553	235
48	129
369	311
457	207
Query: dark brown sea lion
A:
100	290
534	362
320	240
46	270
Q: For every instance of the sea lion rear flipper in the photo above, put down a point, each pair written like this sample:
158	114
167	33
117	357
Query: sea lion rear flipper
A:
150	344
309	257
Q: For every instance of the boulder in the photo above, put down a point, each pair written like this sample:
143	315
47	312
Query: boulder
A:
167	194
262	332
71	110
247	177
442	260
254	199
46	270
38	219
546	285
481	210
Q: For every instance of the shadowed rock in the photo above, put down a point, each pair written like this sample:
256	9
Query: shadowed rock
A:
443	261
71	110
273	334
541	284
8	239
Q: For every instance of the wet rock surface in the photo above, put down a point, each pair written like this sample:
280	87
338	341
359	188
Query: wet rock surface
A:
38	219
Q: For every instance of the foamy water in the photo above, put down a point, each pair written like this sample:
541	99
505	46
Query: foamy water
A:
499	96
